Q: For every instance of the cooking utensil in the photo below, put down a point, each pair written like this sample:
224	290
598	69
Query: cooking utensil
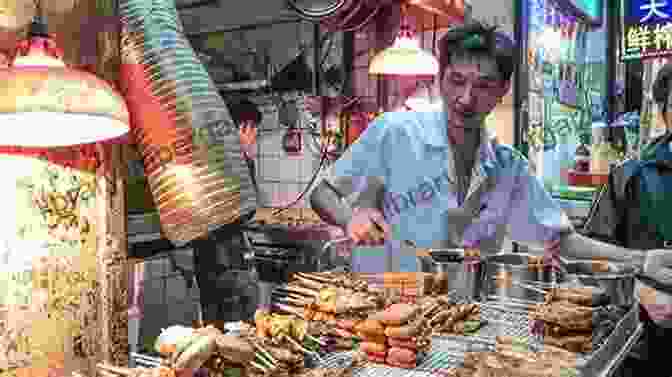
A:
502	270
464	275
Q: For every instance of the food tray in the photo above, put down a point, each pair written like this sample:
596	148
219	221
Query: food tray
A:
608	348
448	351
506	321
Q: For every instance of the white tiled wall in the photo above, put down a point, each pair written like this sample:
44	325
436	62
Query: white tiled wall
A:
281	177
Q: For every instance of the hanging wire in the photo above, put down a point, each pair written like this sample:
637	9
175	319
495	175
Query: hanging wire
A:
434	27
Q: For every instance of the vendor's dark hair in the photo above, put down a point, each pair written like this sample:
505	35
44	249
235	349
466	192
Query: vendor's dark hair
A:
245	111
661	87
478	38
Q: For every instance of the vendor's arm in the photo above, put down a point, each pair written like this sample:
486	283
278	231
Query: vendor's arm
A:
357	176
537	218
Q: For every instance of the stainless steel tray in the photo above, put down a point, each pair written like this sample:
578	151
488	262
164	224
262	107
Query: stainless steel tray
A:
505	320
626	329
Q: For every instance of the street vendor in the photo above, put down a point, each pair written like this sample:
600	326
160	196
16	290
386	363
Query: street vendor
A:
228	291
632	212
438	180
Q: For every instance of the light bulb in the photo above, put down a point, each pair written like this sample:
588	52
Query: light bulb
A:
551	39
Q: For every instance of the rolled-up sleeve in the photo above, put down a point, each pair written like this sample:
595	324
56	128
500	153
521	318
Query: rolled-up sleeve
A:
362	161
535	217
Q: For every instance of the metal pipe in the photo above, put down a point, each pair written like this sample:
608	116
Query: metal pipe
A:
317	59
244	27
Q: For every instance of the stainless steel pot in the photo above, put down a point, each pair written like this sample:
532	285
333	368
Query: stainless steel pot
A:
510	276
464	274
619	286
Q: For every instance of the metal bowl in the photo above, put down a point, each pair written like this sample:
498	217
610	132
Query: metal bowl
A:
464	274
510	276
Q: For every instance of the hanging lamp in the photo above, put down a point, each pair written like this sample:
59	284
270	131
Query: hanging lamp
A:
423	99
404	57
44	103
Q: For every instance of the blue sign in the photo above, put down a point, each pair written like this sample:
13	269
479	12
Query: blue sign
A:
647	31
647	12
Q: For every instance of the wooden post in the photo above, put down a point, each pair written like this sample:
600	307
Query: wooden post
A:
112	232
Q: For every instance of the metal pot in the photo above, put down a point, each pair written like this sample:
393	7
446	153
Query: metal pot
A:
464	274
619	286
510	276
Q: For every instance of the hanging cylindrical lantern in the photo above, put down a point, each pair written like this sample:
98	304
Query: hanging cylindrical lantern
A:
190	147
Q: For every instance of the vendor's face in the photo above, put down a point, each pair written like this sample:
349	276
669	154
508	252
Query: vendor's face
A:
471	87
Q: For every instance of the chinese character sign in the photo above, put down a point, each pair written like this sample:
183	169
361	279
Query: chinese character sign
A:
647	11
647	41
648	29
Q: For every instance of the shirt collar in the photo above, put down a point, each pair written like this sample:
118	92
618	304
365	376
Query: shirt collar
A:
435	135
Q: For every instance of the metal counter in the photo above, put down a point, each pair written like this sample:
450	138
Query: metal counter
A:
448	351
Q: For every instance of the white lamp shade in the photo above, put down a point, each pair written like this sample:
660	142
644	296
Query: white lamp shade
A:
43	103
405	57
424	99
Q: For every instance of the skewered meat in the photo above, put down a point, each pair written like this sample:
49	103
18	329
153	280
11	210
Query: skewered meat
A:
565	314
406	331
234	349
582	296
373	338
196	355
347	324
410	344
371	327
370	347
472	359
574	343
401	357
440	317
341	333
397	314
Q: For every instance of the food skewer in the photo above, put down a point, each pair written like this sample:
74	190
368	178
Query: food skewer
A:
265	353
300	290
310	284
315	277
292	301
261	368
299	312
301	348
116	370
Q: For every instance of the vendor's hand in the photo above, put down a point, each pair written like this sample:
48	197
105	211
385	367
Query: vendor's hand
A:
368	227
657	266
552	257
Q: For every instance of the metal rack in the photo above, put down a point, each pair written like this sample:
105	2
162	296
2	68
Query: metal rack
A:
448	351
